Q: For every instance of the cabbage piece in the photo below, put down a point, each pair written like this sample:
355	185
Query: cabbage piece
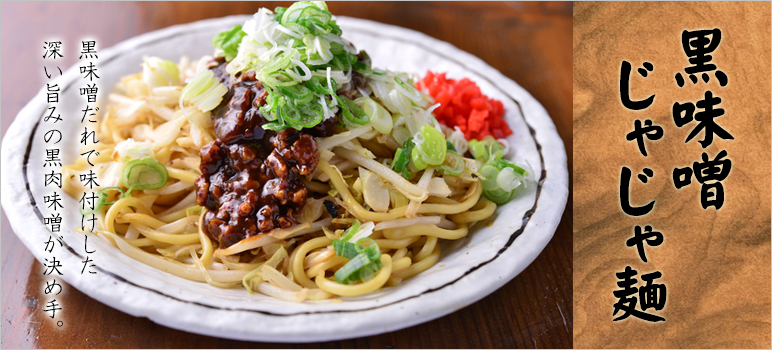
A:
205	92
160	72
128	150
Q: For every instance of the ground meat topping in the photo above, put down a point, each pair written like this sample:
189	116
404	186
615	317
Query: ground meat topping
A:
250	177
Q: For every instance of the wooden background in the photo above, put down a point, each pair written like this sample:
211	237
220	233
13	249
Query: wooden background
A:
528	42
715	264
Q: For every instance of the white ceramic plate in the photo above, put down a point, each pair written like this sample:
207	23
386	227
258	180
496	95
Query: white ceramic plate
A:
468	270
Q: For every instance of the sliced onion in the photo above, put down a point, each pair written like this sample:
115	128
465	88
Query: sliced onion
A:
365	230
165	134
375	190
380	118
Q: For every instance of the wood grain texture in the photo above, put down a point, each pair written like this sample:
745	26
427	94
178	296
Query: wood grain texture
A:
715	264
527	42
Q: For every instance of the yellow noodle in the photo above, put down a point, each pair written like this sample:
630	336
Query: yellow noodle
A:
361	213
395	243
141	242
420	266
121	204
206	244
427	249
399	254
401	264
179	225
326	265
301	251
426	230
315	186
423	184
352	290
167	237
481	211
173	216
393	281
182	175
172	266
203	270
139	218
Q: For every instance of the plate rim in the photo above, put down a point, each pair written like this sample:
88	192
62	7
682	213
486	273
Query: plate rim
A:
546	130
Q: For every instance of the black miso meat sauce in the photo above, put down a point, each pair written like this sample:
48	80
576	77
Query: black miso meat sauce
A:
250	177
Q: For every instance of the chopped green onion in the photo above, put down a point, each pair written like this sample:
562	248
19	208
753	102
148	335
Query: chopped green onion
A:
366	273
451	147
432	146
407	89
499	198
228	41
507	180
351	231
417	160
275	126
350	250
351	112
350	272
488	149
319	85
402	159
379	116
503	163
502	178
344	249
288	49
282	62
372	251
454	164
144	174
490	173
363	265
296	92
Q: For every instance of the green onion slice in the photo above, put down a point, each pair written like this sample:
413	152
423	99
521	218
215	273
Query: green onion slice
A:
498	196
402	158
488	149
490	173
373	251
344	249
454	164
144	174
361	267
351	231
318	85
365	260
350	272
417	160
432	146
351	112
296	92
379	116
228	41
